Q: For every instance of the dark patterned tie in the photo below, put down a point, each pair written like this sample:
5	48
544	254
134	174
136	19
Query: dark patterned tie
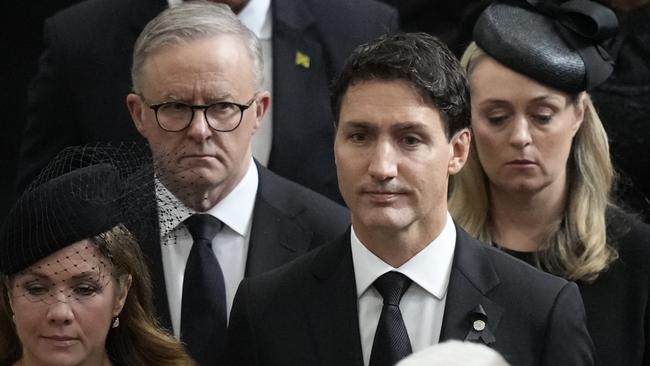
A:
391	342
203	308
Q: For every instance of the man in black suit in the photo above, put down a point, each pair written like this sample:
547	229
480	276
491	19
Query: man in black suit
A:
197	76
403	117
77	95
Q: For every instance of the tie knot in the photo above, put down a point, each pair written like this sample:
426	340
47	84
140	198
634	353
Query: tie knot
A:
392	286
203	227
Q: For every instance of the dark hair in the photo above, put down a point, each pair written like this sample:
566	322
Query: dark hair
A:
139	339
418	58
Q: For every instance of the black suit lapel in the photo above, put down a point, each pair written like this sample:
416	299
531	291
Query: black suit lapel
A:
472	278
332	306
276	236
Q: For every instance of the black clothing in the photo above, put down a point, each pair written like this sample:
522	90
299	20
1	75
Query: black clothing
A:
305	313
623	104
617	304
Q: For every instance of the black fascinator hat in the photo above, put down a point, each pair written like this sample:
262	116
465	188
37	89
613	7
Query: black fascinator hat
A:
83	192
557	44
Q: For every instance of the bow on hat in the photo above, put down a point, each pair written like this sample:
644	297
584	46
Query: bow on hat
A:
580	21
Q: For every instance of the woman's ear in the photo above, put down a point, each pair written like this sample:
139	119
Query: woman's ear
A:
581	110
122	292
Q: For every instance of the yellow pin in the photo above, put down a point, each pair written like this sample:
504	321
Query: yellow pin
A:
302	59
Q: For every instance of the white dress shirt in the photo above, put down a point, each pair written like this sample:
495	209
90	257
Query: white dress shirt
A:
256	16
423	304
230	246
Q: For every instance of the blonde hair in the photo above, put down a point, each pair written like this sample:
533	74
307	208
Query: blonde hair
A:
577	249
138	340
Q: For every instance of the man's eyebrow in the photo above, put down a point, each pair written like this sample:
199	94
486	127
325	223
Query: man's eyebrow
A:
409	125
357	124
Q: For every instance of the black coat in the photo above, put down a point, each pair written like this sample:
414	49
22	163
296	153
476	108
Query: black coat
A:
305	313
617	302
288	221
623	104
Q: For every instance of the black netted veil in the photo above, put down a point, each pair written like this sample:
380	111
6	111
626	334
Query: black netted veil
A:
113	191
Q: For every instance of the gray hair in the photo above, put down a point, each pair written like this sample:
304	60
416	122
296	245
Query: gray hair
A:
190	21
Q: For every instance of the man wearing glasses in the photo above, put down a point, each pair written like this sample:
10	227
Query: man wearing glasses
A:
198	101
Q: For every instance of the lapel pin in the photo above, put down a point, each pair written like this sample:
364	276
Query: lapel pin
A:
302	59
479	330
478	325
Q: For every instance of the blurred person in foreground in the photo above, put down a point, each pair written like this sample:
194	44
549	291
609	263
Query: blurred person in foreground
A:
538	182
455	353
404	276
75	289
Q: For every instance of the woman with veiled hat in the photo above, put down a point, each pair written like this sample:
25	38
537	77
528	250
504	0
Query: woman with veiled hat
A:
74	289
539	179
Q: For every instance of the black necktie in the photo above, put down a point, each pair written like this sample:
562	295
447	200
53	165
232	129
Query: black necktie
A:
391	342
203	308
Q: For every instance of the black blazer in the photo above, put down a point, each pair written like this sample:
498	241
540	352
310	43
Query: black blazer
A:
288	221
305	313
78	95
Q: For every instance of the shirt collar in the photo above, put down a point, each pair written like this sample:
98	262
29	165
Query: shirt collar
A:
235	210
430	268
256	15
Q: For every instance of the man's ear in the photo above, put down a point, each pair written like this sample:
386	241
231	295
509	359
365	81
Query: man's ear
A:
460	144
135	105
262	104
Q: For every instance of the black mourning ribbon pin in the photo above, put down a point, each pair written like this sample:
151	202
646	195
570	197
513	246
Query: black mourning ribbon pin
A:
478	327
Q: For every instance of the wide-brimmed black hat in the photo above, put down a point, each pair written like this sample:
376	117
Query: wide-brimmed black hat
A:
556	44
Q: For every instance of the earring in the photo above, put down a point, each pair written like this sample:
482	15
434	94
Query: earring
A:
13	318
116	322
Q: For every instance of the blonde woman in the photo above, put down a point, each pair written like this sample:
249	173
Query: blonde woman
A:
539	178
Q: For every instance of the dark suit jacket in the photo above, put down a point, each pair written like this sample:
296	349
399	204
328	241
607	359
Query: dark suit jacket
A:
305	313
78	95
288	221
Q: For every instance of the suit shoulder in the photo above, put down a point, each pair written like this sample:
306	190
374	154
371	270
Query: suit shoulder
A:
285	278
512	269
368	18
85	13
294	199
89	22
358	7
514	275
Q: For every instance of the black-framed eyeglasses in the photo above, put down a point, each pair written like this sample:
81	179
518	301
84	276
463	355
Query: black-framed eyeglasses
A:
221	116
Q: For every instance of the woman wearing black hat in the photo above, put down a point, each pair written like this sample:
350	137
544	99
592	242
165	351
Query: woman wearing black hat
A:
74	289
539	178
